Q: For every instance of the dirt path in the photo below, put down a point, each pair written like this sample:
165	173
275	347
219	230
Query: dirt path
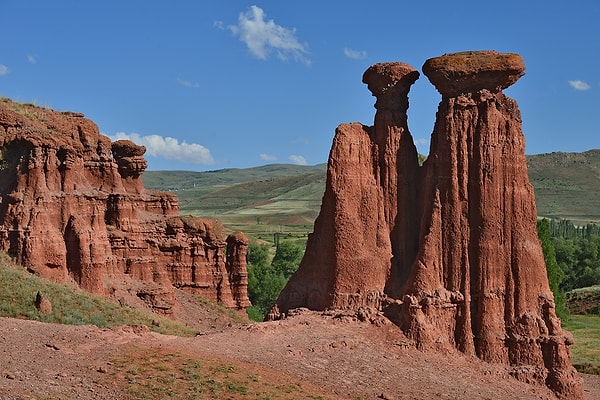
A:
343	359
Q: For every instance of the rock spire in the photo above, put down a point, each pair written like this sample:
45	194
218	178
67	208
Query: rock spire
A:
449	250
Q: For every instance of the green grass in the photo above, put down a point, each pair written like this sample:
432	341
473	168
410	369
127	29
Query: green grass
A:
71	305
586	350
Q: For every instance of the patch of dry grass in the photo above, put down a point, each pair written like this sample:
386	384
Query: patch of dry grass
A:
146	373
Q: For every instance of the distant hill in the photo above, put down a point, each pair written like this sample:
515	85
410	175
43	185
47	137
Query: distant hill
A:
567	185
181	180
288	197
266	199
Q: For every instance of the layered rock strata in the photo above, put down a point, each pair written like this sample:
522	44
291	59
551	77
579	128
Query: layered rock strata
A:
449	250
73	208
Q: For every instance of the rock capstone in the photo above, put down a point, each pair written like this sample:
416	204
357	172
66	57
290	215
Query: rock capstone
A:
470	71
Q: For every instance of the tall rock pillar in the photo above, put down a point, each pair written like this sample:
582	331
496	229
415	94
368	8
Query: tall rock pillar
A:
235	263
479	281
448	251
349	257
397	163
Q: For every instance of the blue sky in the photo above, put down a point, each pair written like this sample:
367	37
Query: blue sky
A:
207	85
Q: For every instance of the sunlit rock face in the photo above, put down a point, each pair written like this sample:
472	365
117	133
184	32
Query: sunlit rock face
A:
448	250
73	208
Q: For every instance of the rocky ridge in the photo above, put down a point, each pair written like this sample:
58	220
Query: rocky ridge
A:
447	251
73	209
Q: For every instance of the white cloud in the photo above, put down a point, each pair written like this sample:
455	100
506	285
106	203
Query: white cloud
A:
421	141
267	157
169	148
32	59
262	37
3	69
298	160
219	24
355	54
183	82
579	85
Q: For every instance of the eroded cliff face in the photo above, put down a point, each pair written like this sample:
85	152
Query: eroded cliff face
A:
74	209
448	251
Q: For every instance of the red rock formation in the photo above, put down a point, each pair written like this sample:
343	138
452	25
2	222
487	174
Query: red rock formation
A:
74	209
348	256
479	281
237	247
448	251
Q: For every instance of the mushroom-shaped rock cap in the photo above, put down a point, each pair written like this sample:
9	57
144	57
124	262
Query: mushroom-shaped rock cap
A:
390	82
470	71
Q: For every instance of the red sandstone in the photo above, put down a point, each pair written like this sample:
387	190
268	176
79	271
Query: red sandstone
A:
449	250
73	208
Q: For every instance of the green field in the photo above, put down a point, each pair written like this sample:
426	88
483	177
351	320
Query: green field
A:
262	202
283	198
586	350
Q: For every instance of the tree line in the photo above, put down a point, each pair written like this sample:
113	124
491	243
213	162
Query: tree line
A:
577	251
571	253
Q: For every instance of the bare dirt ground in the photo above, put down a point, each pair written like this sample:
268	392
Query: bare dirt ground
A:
340	357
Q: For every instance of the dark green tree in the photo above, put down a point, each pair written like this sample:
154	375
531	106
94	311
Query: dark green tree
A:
267	279
257	254
554	272
579	258
264	282
287	258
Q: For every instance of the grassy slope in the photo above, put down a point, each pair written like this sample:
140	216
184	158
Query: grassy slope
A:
70	305
567	185
181	180
584	324
258	201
